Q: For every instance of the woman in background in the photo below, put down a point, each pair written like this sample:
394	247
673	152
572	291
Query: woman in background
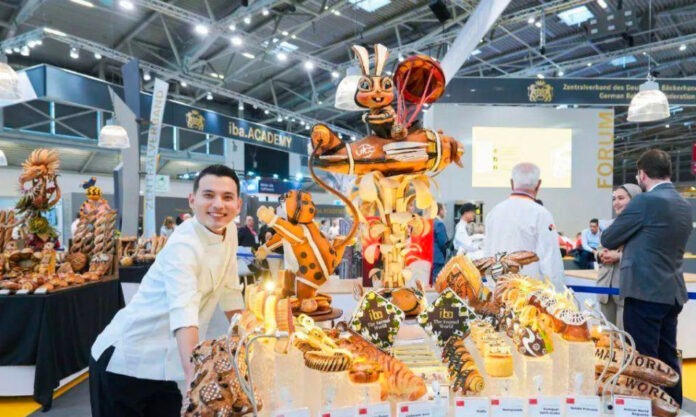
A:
610	269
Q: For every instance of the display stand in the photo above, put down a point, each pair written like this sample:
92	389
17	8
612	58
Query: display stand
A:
575	360
494	386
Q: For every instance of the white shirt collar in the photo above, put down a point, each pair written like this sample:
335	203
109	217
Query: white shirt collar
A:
659	183
206	235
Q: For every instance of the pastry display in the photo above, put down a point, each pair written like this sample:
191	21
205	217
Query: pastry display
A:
317	257
662	404
364	371
498	360
463	373
215	389
505	263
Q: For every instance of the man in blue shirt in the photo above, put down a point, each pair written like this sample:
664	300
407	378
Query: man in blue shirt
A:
590	242
439	243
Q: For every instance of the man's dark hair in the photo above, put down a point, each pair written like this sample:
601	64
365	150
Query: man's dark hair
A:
656	164
440	207
218	170
595	221
467	207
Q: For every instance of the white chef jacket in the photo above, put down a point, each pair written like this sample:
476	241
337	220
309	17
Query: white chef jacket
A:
520	223
463	243
196	270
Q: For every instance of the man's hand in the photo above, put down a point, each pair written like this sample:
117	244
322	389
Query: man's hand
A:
610	257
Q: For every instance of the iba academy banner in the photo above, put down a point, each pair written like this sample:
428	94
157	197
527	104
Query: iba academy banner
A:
159	99
594	91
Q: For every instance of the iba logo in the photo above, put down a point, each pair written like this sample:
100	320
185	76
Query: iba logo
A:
195	120
540	91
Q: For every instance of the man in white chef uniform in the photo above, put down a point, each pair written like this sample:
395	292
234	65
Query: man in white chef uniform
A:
521	223
138	359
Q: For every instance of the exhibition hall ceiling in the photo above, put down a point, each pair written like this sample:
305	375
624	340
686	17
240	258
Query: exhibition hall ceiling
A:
292	53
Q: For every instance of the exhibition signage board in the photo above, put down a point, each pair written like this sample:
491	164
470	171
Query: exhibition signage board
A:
471	407
447	316
377	320
56	84
153	139
568	91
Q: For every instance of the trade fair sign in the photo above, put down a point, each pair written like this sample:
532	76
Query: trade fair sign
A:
557	91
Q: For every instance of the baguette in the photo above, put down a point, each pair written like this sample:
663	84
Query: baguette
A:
662	404
642	367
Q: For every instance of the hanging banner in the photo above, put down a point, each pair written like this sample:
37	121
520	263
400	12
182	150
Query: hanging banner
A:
568	91
159	99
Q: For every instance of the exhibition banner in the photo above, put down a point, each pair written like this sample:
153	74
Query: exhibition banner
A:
568	91
159	99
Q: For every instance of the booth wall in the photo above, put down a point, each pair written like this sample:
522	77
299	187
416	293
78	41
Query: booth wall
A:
592	159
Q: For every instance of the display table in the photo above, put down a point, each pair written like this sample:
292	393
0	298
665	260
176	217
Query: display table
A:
133	274
47	338
685	340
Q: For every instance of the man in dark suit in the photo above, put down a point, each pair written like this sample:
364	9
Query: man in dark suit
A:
246	235
439	243
653	229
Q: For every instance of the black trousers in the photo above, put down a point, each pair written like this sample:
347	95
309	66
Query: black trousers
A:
114	395
654	329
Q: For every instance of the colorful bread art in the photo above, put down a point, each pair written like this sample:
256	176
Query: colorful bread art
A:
316	256
463	372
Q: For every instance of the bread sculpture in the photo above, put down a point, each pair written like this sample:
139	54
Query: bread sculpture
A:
505	263
644	376
463	372
316	256
95	203
215	390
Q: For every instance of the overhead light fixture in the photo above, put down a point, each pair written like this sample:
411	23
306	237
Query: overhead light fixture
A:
603	4
248	55
623	61
32	44
473	53
126	5
236	40
74	53
232	27
309	65
265	12
183	84
55	32
113	136
201	29
299	176
337	12
589	64
538	24
560	73
209	96
335	74
667	126
266	111
247	20
97	56
531	20
3	159
649	105
293	36
345	93
275	176
282	56
284	33
83	3
576	15
540	76
147	76
16	49
682	47
8	51
240	106
279	119
24	51
9	83
367	5
401	58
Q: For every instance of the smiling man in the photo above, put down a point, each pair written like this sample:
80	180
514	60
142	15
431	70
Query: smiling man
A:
138	359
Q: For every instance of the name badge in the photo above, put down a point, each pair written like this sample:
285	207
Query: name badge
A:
583	406
471	407
632	407
415	409
507	407
375	410
545	407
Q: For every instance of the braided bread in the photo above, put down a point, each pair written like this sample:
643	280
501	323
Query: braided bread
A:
335	361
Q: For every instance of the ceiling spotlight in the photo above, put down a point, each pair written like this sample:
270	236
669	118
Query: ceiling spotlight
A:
232	27
307	127
97	56
266	111
353	138
334	74
603	4
293	36
538	24
8	51
236	41
682	47
126	5
282	56
183	84
16	49
248	55
201	29
279	119
666	126
540	76
247	20
401	58
74	53
589	64
275	176
214	74
24	51
83	3
531	20
561	73
286	118
285	33
265	12
240	106
309	65
31	44
209	96
147	76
